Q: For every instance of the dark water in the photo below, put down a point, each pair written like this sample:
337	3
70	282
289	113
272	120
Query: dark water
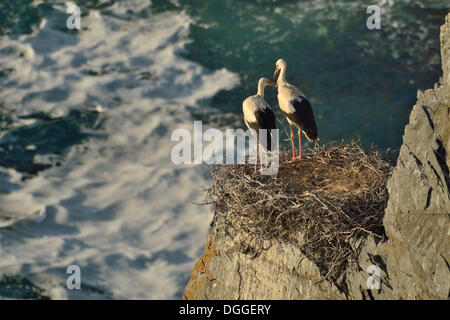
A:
49	136
362	83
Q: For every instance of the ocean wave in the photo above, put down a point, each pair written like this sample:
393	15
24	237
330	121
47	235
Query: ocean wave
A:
110	202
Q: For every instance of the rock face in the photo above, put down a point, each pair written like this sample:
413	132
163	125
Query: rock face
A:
417	216
413	263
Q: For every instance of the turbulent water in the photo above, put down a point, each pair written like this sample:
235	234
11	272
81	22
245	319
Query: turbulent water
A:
86	118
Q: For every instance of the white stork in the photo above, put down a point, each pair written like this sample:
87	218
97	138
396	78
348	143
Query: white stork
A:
296	108
258	115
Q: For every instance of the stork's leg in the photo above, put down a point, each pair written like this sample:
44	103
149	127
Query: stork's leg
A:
299	143
257	150
261	150
292	142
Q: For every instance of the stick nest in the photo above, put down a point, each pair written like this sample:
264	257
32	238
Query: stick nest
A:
322	203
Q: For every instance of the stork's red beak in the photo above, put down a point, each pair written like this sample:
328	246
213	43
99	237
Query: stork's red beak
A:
271	83
277	70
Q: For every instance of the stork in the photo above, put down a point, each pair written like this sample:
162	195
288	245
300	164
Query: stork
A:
296	108
258	115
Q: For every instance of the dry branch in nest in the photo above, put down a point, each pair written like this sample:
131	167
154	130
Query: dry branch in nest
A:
334	194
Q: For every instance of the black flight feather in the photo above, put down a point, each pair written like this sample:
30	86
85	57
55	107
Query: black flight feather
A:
265	119
303	117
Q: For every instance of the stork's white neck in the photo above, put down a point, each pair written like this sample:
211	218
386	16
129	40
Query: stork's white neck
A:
282	77
261	87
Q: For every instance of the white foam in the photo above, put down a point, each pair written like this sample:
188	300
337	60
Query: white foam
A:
118	209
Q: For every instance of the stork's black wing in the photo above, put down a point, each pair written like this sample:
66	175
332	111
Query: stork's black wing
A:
303	117
265	119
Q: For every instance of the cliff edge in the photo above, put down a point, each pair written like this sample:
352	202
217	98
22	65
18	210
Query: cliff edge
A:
410	257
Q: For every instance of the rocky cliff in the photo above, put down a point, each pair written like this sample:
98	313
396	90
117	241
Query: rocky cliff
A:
412	262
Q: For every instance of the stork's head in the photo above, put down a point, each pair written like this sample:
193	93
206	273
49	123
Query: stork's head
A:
263	82
280	65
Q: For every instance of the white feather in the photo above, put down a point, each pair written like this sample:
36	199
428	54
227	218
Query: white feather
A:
287	93
251	105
